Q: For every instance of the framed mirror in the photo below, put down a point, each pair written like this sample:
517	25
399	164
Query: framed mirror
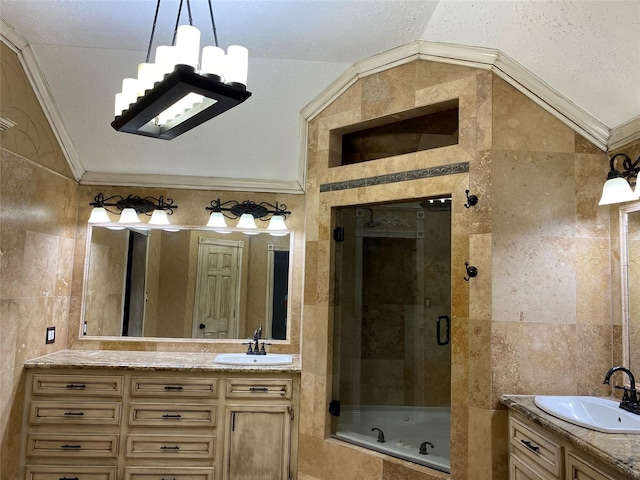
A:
191	283
630	270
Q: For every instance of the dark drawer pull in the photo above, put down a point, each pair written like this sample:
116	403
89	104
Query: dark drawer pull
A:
73	385
166	415
258	389
68	478
531	446
164	447
76	414
171	387
71	446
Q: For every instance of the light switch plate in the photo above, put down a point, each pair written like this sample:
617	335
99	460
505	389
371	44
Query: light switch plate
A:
51	335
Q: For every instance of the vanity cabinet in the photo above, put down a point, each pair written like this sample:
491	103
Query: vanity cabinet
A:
72	425
536	454
108	424
259	415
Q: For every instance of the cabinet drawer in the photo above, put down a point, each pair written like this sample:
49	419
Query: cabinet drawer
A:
162	446
259	388
72	446
42	472
160	415
520	470
541	451
174	387
74	413
148	473
78	385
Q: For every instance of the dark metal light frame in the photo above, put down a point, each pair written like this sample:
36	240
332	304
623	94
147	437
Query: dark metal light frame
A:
145	205
261	211
220	97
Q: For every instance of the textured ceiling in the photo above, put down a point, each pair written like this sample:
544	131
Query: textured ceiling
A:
588	51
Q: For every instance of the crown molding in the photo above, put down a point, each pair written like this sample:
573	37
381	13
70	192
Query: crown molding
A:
475	57
21	47
192	182
624	134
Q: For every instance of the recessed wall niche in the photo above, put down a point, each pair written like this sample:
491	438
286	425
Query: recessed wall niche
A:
412	131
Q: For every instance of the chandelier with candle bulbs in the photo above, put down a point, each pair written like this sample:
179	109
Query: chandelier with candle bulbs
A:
182	88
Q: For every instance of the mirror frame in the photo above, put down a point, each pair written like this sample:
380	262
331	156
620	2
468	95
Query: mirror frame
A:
624	210
85	272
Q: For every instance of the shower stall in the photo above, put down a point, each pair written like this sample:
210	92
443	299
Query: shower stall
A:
392	344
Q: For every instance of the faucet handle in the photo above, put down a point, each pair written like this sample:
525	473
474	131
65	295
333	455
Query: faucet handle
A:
249	350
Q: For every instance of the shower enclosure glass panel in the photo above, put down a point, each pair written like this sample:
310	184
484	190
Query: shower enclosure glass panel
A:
392	345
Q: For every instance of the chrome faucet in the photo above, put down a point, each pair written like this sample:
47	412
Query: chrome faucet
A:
629	401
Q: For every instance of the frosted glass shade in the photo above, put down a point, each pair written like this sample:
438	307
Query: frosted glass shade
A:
247	223
617	190
216	219
99	215
277	227
159	217
129	215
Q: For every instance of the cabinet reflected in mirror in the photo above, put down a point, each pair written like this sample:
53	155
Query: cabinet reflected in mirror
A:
630	259
187	284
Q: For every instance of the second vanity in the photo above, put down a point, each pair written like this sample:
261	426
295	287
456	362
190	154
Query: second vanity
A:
106	415
543	447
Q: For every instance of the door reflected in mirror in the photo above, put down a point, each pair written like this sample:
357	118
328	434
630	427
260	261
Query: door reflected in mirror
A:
187	284
630	258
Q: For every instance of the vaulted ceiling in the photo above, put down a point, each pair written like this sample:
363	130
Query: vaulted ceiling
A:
587	53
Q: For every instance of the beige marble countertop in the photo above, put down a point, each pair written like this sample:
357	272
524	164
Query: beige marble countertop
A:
619	451
158	361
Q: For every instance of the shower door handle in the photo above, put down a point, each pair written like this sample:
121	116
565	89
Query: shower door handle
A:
447	334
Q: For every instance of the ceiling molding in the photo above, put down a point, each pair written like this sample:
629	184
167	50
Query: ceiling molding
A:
18	44
476	57
191	182
624	134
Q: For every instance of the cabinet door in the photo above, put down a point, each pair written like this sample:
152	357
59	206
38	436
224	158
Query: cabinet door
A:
579	469
258	442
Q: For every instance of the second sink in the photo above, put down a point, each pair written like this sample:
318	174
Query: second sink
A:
595	413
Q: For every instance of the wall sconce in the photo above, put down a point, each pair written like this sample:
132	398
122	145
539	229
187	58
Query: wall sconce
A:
130	207
177	92
247	212
617	188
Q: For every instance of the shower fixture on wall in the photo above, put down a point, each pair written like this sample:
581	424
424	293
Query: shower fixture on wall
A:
181	90
130	207
248	211
617	188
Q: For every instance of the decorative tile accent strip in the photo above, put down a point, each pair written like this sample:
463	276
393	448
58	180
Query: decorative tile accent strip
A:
452	169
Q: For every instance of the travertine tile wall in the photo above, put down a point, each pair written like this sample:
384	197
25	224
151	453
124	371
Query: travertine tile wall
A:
538	317
38	205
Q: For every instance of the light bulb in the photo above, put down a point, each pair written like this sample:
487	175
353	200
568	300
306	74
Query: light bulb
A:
247	222
213	61
617	190
237	65
277	227
129	215
99	215
159	217
216	220
188	45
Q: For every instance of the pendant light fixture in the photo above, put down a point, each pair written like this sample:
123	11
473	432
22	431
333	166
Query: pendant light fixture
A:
181	89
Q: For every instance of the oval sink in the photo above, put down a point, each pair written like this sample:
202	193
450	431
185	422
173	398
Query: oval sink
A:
244	359
595	413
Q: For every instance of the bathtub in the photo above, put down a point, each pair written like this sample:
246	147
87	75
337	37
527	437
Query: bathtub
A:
405	428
